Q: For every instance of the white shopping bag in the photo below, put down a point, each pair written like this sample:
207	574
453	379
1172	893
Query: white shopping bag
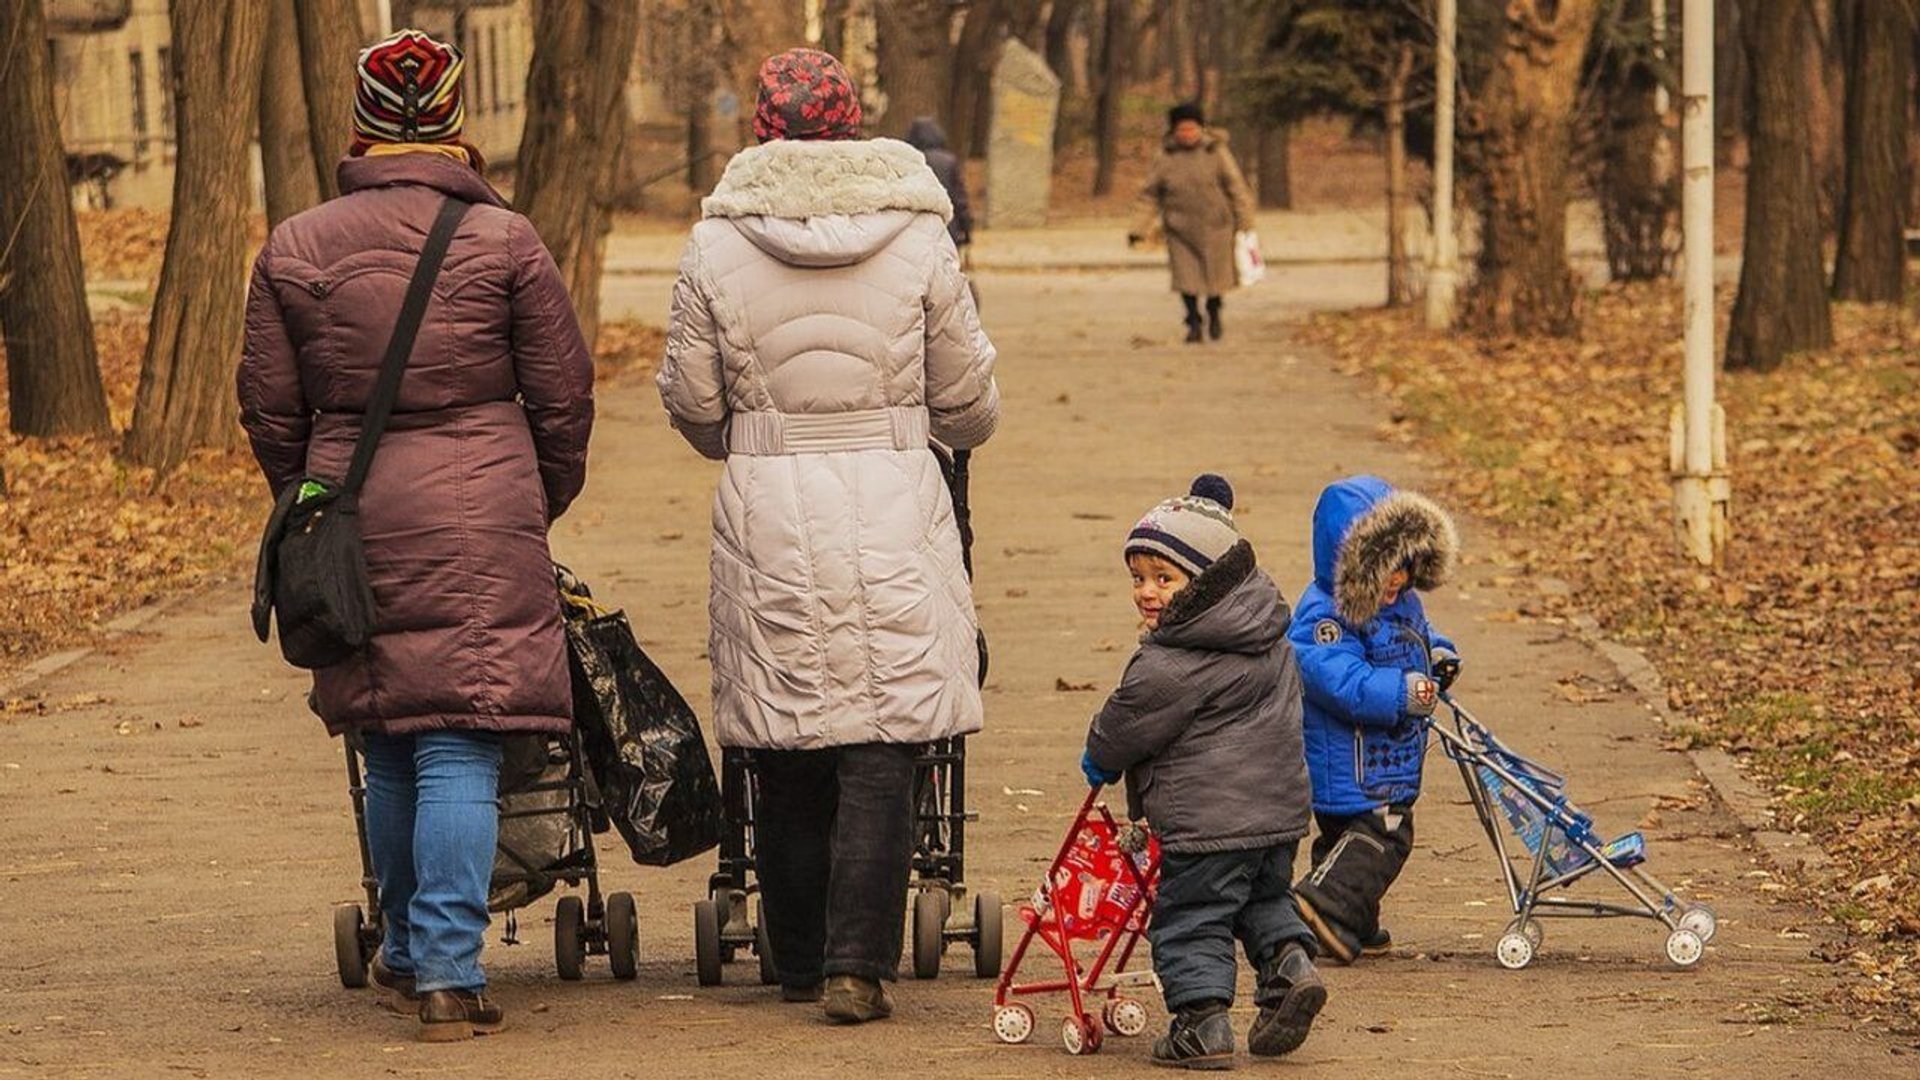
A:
1249	267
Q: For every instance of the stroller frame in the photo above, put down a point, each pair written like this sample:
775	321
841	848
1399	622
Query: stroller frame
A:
729	920
1473	747
1106	976
600	925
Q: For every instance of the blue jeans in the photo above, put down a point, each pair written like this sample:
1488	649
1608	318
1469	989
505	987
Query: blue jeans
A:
432	821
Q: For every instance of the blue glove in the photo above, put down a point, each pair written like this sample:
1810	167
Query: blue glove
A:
1096	776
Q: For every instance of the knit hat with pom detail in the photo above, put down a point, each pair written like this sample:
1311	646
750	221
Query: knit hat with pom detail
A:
1190	531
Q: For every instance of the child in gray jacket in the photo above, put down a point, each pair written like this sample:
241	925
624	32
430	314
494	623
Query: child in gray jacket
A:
1205	726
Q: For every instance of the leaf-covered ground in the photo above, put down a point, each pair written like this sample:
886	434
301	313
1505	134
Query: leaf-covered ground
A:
1802	655
84	537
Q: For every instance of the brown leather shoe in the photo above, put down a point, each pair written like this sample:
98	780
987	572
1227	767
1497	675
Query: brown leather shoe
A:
453	1015
854	1000
397	992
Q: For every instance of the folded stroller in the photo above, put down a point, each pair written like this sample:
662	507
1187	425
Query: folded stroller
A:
1098	895
1558	846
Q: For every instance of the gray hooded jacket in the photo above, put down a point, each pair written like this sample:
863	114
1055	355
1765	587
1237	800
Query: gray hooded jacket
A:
1206	721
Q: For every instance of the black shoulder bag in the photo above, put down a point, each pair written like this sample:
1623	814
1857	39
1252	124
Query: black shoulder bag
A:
312	569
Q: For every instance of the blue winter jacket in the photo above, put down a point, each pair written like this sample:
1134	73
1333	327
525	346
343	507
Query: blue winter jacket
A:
1364	750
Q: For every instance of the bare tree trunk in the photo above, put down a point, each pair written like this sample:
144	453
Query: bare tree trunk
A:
1730	78
1399	267
286	149
1637	197
916	62
1059	50
1276	167
833	27
1872	261
576	124
53	372
185	400
1116	53
1524	116
1782	304
974	58
330	42
702	19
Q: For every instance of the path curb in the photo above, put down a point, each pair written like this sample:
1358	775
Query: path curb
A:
1749	804
112	630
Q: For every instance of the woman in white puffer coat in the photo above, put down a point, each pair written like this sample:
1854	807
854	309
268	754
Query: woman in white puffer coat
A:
822	333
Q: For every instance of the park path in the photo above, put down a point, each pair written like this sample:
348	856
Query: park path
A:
172	836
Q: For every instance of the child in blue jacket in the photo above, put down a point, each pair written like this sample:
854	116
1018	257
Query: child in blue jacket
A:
1373	669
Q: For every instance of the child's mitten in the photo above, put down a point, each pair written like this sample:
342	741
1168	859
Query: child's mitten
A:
1422	694
1096	776
1446	667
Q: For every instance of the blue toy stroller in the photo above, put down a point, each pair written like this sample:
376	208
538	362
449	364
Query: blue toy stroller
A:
1509	791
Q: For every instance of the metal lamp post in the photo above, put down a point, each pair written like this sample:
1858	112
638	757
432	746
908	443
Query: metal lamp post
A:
1701	488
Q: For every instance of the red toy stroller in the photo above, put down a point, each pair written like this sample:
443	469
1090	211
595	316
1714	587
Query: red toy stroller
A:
1099	890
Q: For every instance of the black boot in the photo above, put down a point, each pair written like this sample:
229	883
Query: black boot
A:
1214	327
1291	995
1201	1037
1337	942
1380	943
1193	332
1193	317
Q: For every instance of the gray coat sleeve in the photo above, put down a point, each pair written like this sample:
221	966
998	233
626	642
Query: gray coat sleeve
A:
1143	716
961	392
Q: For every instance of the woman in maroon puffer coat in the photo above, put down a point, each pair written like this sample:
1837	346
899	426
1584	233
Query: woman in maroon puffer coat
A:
486	446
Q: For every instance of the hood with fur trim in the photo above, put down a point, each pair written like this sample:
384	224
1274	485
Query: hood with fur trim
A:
1364	530
826	203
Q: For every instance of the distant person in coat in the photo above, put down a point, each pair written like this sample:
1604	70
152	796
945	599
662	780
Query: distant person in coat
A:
1196	195
486	447
821	335
924	135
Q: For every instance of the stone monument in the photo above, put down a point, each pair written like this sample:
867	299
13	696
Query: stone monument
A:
1026	105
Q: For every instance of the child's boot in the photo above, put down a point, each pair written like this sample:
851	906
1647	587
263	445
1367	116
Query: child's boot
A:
1290	996
1337	943
1379	943
1201	1037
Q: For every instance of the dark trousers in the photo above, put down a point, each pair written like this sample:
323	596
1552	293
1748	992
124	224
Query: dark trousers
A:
833	843
1193	306
1355	860
1207	901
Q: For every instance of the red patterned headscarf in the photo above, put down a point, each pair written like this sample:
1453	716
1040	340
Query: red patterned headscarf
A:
408	91
806	94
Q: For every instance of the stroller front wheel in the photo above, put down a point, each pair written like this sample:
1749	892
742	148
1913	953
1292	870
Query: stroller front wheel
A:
706	942
1013	1023
929	930
1514	951
987	950
1080	1035
349	945
1685	948
1700	919
623	935
570	938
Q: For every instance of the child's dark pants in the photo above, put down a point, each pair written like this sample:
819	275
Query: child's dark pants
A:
1355	861
833	843
1206	901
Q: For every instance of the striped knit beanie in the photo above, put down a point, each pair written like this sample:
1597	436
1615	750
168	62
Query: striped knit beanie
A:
408	91
1192	530
806	94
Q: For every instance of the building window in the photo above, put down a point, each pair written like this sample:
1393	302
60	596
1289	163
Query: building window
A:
137	72
163	60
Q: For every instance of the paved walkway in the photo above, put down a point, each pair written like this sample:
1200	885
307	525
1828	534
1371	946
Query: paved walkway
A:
172	838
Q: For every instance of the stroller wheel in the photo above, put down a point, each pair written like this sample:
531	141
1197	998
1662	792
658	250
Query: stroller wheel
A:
1685	948
570	938
706	942
1700	919
1125	1017
349	952
763	946
1535	931
623	935
1080	1035
987	950
1514	950
1013	1023
929	926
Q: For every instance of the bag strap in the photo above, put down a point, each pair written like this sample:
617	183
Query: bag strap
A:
399	347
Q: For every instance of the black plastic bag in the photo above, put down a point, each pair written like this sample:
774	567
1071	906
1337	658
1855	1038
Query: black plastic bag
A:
643	743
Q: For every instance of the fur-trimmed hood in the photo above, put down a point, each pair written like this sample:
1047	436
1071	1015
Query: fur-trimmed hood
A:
820	204
1364	530
1231	607
800	179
